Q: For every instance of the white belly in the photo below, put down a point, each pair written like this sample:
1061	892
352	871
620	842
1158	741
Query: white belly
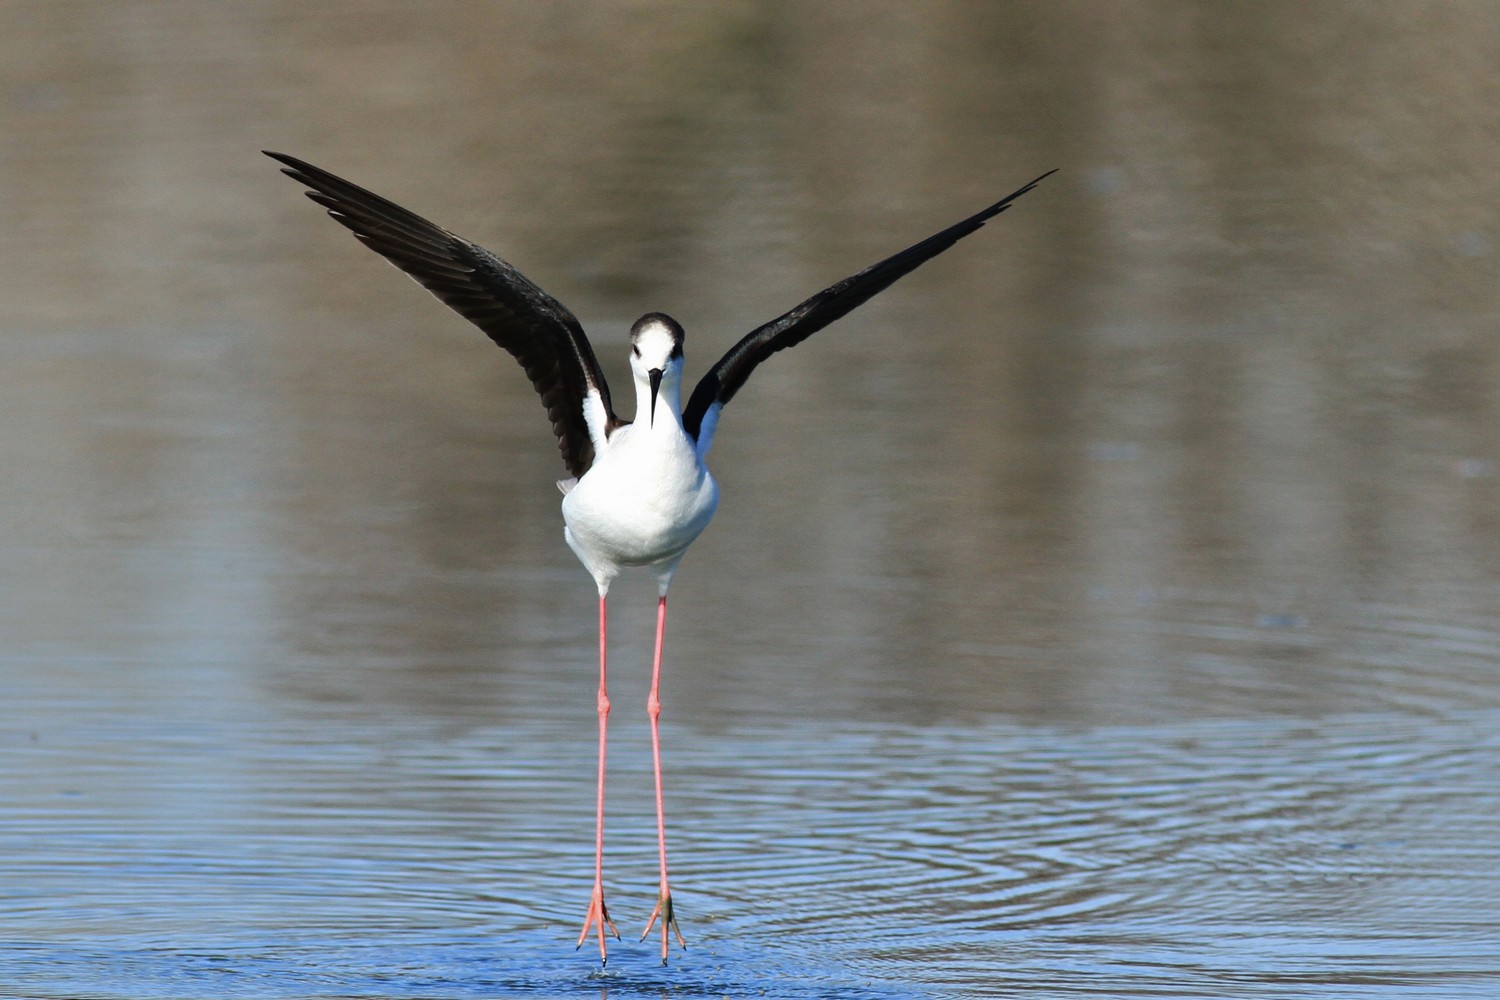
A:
638	507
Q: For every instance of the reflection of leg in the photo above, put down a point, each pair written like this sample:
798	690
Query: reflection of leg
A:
597	914
653	710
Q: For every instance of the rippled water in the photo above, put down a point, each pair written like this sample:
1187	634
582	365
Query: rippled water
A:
246	857
1108	610
190	836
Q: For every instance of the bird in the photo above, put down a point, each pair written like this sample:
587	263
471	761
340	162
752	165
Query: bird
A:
638	492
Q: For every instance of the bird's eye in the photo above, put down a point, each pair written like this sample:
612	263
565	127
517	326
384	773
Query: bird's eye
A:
636	351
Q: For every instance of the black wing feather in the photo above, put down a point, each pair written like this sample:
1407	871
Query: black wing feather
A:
540	332
795	326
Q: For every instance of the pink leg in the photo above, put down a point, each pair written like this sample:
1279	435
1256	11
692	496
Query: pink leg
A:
653	709
597	913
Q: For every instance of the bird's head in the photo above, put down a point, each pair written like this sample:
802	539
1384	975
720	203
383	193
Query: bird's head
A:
656	356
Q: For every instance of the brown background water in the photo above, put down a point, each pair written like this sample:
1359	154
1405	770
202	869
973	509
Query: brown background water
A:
1109	609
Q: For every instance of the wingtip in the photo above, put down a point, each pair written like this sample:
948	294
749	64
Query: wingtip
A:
1010	199
1039	179
290	165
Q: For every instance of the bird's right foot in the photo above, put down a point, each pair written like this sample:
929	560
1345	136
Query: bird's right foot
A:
598	916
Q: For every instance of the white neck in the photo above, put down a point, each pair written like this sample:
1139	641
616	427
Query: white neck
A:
668	402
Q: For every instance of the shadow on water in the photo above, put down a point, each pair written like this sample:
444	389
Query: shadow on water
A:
1108	610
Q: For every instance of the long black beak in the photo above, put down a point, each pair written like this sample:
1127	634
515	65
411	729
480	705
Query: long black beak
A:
655	374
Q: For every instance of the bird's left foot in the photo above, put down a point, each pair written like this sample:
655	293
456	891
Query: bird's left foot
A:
668	923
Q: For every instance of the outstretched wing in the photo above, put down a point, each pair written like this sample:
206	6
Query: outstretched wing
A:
538	330
725	378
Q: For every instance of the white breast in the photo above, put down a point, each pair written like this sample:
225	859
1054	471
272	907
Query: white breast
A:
642	503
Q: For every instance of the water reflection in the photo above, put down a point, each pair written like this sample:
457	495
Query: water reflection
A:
1107	611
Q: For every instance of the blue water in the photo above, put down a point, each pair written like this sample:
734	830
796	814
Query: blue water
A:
200	848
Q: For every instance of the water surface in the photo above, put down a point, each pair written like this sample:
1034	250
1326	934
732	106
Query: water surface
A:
1108	610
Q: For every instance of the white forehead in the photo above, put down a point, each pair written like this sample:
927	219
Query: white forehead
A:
655	339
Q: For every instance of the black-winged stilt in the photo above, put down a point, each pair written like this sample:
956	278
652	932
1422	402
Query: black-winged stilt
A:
639	492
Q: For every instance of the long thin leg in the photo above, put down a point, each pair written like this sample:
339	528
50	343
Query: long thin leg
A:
653	709
597	914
